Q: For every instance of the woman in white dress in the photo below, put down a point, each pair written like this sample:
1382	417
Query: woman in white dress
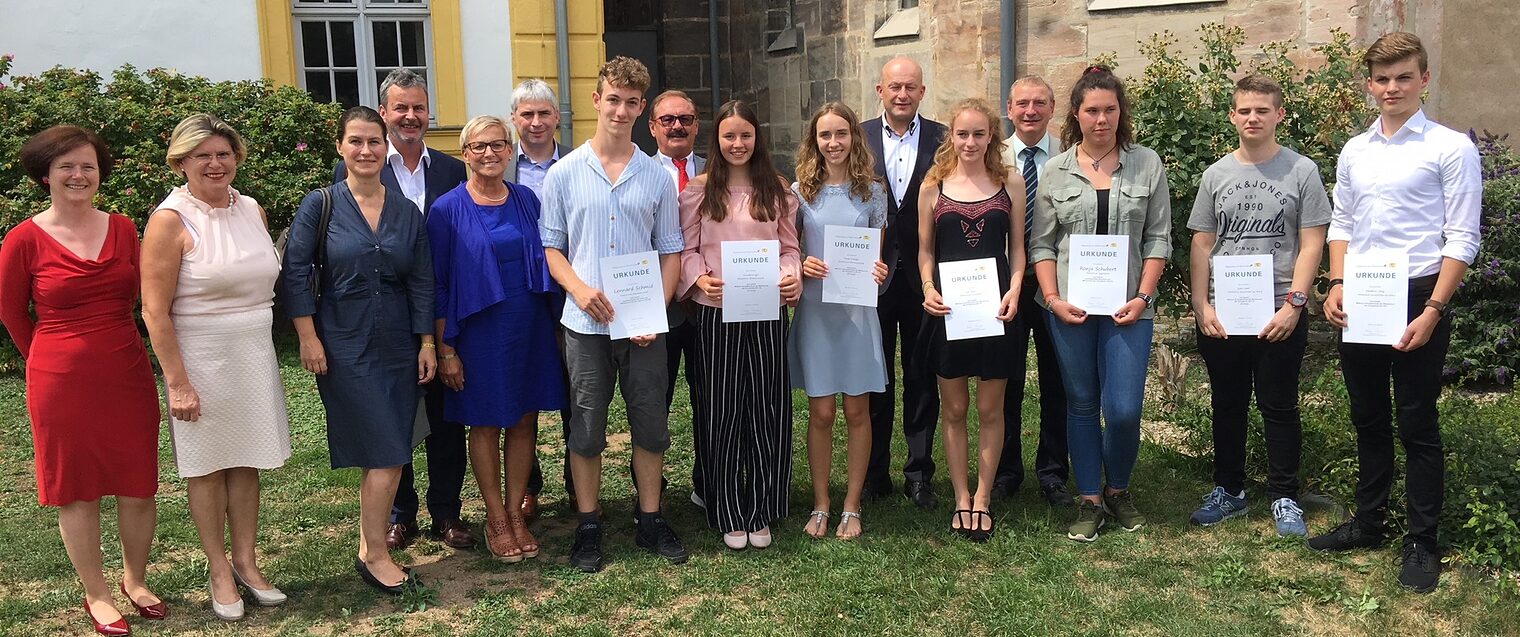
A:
209	270
836	348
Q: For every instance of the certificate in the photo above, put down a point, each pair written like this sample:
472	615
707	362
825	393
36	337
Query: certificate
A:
1376	298
1097	275
971	290
851	254
751	281
1243	293
633	284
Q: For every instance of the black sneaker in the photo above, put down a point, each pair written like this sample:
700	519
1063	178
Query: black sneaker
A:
1349	535
657	537
586	554
1422	568
1056	494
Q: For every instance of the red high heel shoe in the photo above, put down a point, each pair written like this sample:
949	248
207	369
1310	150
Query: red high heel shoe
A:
151	611
117	628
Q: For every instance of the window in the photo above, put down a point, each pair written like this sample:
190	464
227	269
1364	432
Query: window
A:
345	48
907	4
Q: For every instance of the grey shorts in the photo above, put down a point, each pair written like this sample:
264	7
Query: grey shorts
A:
595	362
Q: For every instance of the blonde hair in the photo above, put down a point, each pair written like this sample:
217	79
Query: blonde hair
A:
482	122
623	72
946	160
193	131
811	168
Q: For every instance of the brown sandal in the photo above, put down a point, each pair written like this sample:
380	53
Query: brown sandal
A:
501	541
525	540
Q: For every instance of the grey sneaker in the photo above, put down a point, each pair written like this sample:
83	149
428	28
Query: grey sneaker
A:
1121	505
1090	518
1290	518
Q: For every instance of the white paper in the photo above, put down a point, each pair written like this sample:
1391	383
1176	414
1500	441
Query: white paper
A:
1097	275
1376	298
851	254
751	281
971	290
1244	293
633	284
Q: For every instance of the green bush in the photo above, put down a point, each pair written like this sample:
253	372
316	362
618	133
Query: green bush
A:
1485	337
1181	111
290	139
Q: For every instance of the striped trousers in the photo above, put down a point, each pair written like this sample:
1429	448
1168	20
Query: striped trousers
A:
743	433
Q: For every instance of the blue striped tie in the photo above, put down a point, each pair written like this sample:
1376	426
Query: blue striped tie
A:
1031	182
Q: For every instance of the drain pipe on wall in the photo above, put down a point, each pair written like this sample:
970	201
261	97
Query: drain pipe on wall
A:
1008	63
562	51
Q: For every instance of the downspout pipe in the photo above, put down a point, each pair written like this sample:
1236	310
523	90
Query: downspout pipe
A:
562	52
712	52
1008	61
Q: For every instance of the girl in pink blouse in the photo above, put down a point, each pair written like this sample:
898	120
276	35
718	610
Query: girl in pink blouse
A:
744	432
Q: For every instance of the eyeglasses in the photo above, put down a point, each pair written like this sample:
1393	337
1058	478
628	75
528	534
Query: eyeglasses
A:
478	148
202	158
669	121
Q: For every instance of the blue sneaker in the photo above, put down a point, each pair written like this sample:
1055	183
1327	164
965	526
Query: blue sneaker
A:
1290	518
1219	506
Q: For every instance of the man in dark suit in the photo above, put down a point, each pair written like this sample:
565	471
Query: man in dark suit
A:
904	145
422	174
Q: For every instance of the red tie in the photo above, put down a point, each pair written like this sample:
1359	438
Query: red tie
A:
681	177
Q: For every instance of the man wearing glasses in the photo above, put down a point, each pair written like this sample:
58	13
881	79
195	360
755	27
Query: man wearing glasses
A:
422	174
673	123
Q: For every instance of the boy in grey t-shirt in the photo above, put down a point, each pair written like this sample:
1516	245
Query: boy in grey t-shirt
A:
1268	200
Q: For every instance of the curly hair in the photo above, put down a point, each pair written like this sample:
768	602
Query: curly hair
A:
811	168
623	72
946	160
770	194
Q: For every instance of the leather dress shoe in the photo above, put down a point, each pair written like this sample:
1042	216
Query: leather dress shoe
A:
530	506
1005	488
876	490
1056	494
920	494
398	535
454	533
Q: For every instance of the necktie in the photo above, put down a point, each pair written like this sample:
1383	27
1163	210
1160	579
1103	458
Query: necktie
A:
1031	182
681	176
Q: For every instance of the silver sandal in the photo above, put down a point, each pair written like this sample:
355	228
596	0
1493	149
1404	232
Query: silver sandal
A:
844	518
823	524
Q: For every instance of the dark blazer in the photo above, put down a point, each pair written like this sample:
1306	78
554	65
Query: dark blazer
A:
900	241
511	174
443	173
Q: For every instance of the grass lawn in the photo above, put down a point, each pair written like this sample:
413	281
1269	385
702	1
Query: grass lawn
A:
907	576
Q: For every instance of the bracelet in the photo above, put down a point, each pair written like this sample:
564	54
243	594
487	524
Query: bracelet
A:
1149	299
1438	306
928	285
1335	282
428	345
449	356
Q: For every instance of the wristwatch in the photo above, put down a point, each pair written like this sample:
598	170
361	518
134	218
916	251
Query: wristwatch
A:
1149	300
1438	306
1298	299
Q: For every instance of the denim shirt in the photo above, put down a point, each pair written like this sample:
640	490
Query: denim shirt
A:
1139	206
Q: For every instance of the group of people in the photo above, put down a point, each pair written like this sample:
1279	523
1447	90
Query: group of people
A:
415	267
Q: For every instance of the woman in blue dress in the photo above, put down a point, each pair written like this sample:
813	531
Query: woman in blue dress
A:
836	348
368	336
496	321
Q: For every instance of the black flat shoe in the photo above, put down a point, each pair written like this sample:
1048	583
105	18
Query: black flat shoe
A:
963	531
393	589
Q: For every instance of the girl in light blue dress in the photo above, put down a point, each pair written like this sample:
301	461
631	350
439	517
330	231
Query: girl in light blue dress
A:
836	348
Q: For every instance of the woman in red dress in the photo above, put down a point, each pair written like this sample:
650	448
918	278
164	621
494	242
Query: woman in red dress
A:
89	387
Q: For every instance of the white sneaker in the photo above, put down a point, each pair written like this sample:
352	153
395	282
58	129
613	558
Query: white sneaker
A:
737	540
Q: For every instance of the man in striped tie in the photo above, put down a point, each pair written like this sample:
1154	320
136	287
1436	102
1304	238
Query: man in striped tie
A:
1031	105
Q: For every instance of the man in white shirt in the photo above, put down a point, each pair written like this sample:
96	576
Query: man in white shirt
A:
674	123
1409	186
1031	105
536	119
422	174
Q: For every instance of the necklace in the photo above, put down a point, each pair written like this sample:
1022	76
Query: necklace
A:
231	198
1095	162
491	199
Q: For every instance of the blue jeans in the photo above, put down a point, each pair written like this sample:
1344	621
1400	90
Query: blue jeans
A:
1103	368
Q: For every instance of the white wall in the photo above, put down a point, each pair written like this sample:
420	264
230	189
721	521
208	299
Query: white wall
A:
218	39
486	31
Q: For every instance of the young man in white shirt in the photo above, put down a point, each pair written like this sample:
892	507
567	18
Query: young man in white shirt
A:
1410	186
1267	202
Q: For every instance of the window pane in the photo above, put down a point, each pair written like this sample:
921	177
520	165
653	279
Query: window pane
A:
314	44
413	44
386	51
344	51
346	86
319	85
